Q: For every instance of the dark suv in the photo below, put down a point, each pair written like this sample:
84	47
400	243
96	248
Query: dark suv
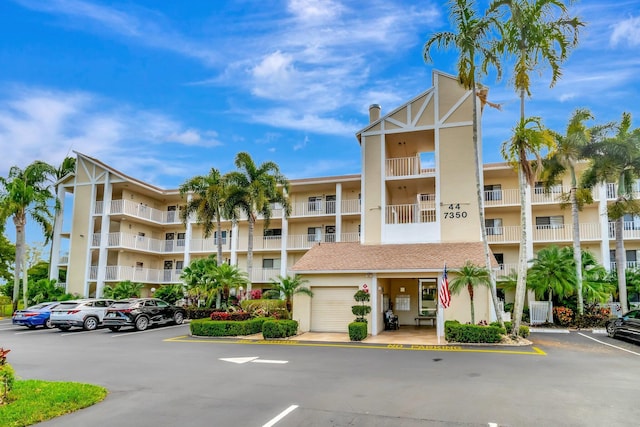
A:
141	313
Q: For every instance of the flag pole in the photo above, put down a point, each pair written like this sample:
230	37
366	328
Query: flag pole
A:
440	311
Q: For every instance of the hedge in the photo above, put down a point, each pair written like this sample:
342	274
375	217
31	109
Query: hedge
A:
279	328
454	331
357	331
223	328
523	332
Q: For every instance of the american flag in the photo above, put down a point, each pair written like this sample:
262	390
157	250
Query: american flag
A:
445	294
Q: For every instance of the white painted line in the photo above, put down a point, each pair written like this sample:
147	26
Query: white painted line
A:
549	330
146	330
280	416
66	334
493	424
610	345
15	328
269	361
238	360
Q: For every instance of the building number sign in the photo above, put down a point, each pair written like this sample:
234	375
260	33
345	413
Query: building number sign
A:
454	211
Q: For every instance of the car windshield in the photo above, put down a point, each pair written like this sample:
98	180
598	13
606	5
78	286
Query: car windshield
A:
38	306
68	305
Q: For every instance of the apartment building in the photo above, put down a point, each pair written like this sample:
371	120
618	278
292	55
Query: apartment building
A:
391	229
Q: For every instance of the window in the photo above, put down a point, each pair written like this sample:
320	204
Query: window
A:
181	237
271	263
631	222
331	204
179	265
315	203
270	232
141	236
330	233
554	188
500	260
493	192
223	234
139	265
493	226
547	222
314	234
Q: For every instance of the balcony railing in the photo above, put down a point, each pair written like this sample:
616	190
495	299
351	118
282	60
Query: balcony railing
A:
139	210
409	214
119	273
351	206
64	260
544	233
141	243
407	166
264	275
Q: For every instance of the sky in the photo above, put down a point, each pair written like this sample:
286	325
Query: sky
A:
165	90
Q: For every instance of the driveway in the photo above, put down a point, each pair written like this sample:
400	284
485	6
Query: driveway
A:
164	377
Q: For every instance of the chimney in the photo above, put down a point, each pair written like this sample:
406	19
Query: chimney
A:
374	112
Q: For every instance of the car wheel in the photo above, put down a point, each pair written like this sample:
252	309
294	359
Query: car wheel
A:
178	318
142	323
611	330
48	324
64	328
114	328
90	323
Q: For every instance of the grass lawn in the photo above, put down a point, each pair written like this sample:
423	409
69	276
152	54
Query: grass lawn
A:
33	401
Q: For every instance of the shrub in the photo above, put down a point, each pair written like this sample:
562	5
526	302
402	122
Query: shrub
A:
563	315
279	328
264	307
454	331
360	311
523	331
357	331
593	316
222	328
7	375
195	312
255	294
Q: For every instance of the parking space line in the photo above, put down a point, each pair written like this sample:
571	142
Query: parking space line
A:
280	416
610	345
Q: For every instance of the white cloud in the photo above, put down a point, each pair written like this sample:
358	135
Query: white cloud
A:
317	11
300	145
289	119
626	31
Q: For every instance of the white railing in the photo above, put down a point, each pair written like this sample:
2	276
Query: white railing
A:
350	237
119	273
403	166
139	210
502	197
264	275
427	202
505	270
208	245
540	312
630	264
631	230
142	243
543	233
314	208
64	260
350	206
554	195
408	214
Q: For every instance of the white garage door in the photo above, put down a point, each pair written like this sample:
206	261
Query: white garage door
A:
331	309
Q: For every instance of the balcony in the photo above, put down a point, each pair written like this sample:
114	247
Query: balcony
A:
140	211
119	273
418	213
544	233
140	243
264	275
407	166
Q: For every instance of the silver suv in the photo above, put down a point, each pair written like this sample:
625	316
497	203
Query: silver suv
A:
85	313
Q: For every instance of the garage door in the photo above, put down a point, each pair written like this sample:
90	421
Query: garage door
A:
331	309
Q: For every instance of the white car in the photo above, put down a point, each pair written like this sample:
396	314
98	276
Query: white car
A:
86	313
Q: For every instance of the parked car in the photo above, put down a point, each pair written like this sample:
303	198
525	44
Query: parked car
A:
86	313
627	326
34	316
140	313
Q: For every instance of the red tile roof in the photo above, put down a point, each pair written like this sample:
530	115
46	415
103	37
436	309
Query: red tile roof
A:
355	257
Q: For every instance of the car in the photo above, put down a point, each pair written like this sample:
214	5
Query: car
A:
627	326
140	313
85	313
34	316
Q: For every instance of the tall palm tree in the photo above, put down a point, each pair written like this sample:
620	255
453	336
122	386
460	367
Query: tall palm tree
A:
25	193
208	202
569	151
533	36
255	188
287	287
470	276
476	54
198	277
552	272
227	277
617	159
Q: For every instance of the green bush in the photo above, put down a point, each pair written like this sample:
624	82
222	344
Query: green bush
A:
222	328
266	308
456	332
194	312
279	328
7	378
523	332
357	331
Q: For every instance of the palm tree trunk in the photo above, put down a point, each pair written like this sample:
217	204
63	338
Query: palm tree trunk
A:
252	222
521	284
473	311
577	249
621	262
219	242
19	220
480	196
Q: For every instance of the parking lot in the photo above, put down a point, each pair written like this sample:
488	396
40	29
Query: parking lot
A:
163	377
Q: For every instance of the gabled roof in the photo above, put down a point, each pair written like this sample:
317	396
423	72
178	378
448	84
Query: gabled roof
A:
418	257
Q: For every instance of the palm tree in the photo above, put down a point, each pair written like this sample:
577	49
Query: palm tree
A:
472	41
254	190
208	202
199	278
597	286
123	290
286	287
552	272
227	277
532	35
25	193
471	276
617	159
569	150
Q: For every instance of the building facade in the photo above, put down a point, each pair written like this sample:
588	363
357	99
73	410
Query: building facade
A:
390	229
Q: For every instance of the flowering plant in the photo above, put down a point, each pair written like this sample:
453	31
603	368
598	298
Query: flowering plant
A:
564	315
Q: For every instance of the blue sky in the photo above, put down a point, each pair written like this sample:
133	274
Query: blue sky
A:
164	90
